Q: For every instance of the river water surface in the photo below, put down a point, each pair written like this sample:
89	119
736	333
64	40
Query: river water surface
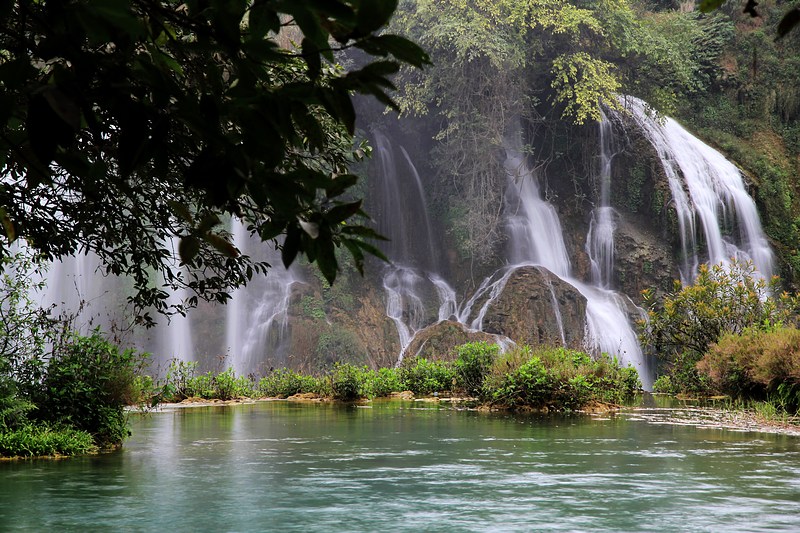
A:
280	466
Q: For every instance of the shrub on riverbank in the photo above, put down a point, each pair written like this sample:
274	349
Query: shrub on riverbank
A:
757	364
36	440
557	379
87	383
282	383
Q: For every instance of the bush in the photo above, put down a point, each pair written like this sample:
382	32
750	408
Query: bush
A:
557	379
381	382
228	386
756	364
32	440
663	384
13	408
179	380
472	364
422	376
282	383
346	381
87	384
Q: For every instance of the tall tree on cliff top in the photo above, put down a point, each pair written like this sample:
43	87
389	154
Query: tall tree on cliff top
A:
128	122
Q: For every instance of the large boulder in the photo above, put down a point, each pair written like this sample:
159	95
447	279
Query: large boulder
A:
537	307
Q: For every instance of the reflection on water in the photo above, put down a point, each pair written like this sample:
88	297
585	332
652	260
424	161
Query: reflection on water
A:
287	467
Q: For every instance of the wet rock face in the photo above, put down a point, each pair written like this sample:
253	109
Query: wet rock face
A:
644	261
439	340
525	310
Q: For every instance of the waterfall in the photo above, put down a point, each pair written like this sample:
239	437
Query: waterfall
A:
174	334
600	239
557	311
397	198
536	238
706	189
256	317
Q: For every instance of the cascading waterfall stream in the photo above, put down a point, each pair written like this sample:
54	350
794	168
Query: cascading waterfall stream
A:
398	200
707	188
600	240
257	317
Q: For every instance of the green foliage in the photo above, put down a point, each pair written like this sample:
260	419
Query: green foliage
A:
663	384
87	384
472	364
557	379
13	408
722	300
177	381
127	123
337	344
313	307
583	83
282	383
422	376
35	440
381	382
346	382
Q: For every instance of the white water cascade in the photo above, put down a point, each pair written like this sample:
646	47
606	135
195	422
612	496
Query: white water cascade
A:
175	333
600	239
417	294
256	318
709	196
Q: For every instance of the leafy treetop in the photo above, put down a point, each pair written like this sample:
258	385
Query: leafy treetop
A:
126	123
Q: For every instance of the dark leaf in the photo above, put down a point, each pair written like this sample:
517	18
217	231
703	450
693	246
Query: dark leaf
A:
337	102
340	184
788	22
358	256
340	213
188	248
221	244
269	230
370	249
372	15
312	58
118	14
46	130
291	245
181	210
263	19
363	231
400	47
326	260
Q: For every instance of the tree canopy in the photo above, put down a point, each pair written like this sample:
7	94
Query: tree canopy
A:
129	123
